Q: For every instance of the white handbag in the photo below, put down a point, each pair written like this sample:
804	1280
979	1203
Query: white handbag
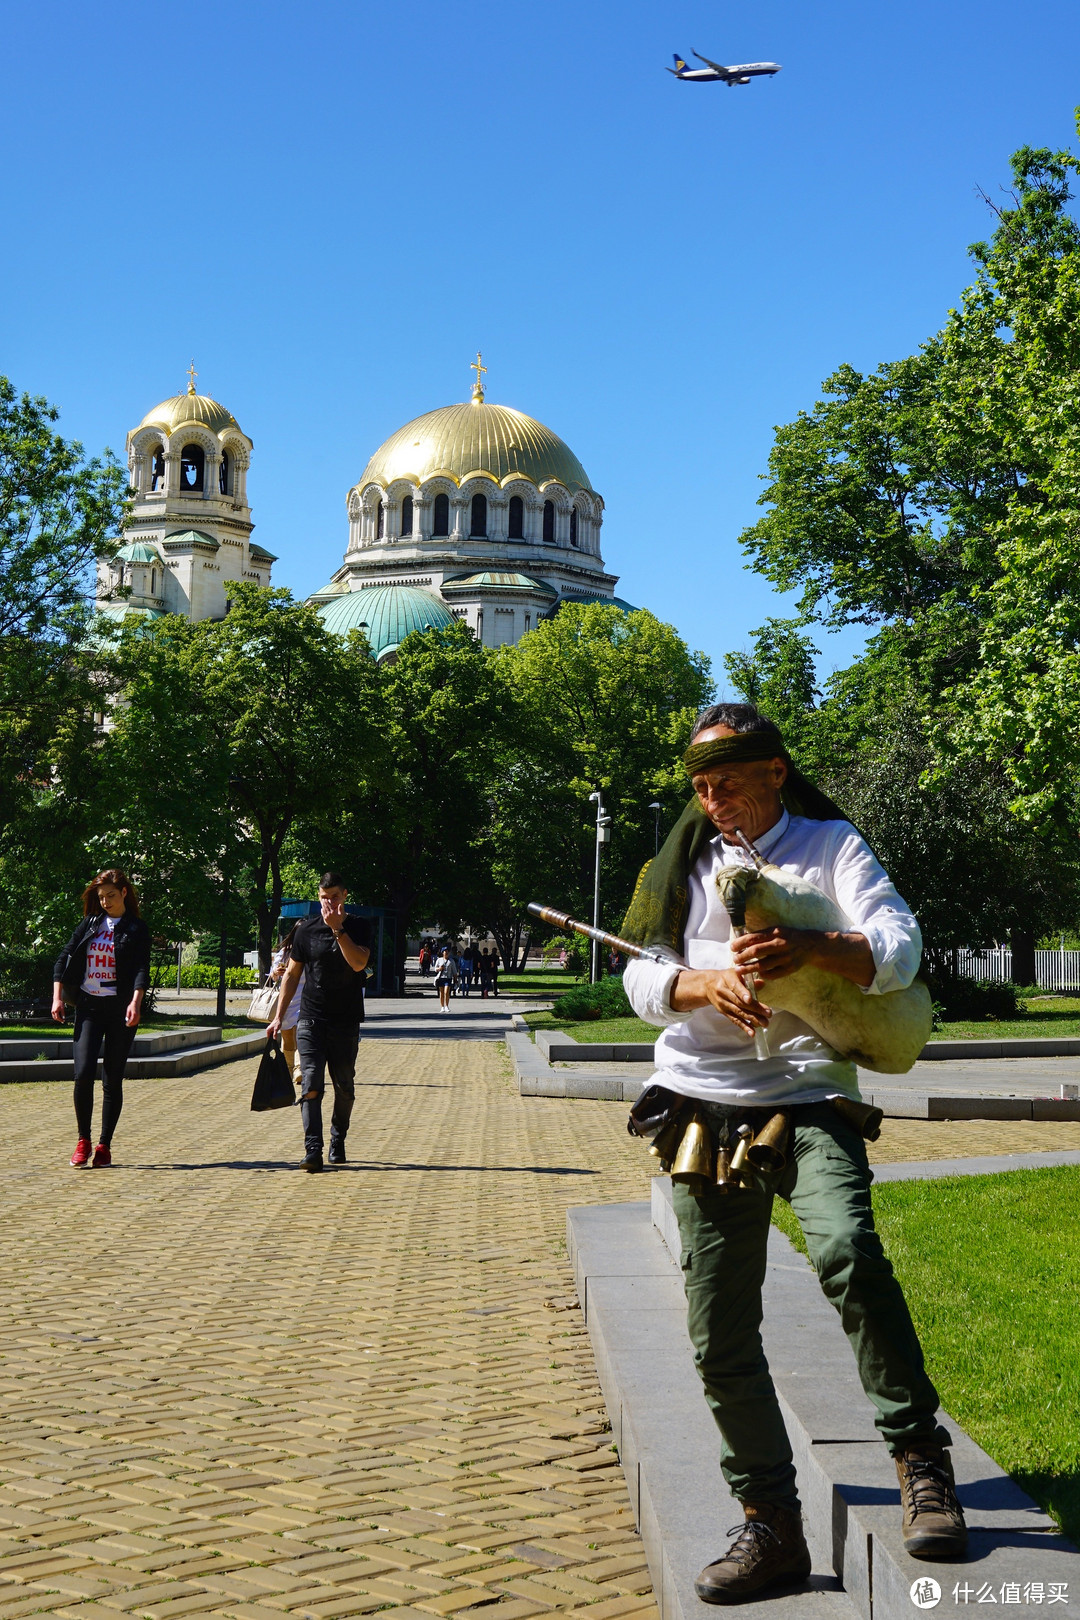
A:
264	1002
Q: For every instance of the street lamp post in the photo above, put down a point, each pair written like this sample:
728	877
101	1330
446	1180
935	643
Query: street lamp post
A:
656	808
603	836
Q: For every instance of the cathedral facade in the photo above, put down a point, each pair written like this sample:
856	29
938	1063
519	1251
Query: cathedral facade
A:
473	511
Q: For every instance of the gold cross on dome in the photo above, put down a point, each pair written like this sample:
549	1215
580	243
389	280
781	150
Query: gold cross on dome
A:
478	385
192	374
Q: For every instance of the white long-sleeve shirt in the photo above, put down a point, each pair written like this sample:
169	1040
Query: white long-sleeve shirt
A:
702	1054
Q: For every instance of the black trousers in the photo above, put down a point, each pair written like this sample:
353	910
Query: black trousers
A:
99	1020
323	1046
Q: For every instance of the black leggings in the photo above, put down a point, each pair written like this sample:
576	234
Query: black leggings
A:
100	1019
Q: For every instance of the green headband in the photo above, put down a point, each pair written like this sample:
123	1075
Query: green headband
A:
746	745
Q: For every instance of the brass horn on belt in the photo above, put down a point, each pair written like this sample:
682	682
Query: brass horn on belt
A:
694	1163
768	1151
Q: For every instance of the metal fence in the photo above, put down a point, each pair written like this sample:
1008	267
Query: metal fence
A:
1054	970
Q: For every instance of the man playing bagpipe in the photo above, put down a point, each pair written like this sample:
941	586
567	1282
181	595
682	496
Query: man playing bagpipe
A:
738	1064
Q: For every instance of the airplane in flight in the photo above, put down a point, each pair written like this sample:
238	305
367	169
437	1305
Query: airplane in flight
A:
717	73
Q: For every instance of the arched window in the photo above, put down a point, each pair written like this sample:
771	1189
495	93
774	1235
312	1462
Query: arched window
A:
478	521
223	473
573	525
549	523
380	522
157	469
192	469
440	518
406	515
517	518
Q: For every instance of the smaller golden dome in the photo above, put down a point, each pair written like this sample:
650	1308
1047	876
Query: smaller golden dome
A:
200	408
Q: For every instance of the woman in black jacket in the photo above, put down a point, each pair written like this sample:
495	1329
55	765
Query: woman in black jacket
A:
105	970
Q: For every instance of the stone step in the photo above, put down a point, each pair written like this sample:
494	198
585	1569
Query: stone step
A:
631	1289
168	1065
28	1048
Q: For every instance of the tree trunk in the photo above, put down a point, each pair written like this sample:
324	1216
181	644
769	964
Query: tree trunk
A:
1022	945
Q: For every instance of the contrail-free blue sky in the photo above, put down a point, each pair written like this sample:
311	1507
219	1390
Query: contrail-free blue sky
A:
333	206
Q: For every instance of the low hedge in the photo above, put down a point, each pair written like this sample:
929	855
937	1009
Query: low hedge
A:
605	999
202	976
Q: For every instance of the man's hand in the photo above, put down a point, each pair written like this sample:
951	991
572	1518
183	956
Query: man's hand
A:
777	952
333	914
722	988
780	951
273	1028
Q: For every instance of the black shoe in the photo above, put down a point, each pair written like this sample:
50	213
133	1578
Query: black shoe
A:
336	1154
312	1162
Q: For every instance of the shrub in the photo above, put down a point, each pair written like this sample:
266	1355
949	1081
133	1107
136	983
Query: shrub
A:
201	976
957	997
25	974
607	999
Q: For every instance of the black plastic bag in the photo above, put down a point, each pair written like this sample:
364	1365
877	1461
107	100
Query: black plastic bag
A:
274	1082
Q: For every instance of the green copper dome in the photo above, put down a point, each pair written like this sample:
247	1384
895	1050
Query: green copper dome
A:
386	614
137	551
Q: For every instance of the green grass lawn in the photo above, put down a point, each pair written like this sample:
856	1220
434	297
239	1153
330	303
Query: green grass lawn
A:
991	1269
594	1029
1045	1016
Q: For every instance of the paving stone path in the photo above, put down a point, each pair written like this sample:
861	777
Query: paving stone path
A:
231	1388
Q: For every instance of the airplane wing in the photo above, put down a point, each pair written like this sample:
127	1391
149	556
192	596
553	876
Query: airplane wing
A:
717	66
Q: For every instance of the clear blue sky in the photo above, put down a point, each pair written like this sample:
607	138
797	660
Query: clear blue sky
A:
332	206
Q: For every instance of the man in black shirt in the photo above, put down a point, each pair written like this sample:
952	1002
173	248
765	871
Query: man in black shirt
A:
332	950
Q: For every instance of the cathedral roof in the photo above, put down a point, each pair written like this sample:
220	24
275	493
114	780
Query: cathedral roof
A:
137	551
386	614
586	598
489	581
189	407
460	440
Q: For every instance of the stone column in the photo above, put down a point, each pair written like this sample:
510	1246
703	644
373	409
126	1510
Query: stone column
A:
211	477
421	517
457	520
172	472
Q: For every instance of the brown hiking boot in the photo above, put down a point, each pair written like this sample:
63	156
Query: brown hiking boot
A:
768	1549
933	1519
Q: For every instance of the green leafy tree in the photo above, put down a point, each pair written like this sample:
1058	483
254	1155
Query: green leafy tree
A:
233	736
605	701
409	837
59	513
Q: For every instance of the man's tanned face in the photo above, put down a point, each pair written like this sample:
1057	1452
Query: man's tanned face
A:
740	793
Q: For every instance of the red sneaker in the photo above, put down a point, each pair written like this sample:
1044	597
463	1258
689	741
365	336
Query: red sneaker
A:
81	1154
102	1157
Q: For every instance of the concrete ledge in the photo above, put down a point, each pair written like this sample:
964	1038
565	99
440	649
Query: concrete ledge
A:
630	1289
560	1047
166	1067
31	1048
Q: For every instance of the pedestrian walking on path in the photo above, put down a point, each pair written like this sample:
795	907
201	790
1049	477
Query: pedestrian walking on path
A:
278	965
710	995
446	974
104	969
330	952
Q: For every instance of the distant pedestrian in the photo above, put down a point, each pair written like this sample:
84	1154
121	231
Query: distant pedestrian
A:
495	973
425	961
485	973
464	975
279	962
331	952
446	972
105	970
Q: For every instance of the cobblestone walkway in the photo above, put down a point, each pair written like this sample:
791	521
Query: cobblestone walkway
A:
230	1388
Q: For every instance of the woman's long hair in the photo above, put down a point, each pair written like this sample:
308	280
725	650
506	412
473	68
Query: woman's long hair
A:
116	879
285	944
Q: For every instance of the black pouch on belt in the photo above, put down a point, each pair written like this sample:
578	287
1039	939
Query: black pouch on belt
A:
655	1108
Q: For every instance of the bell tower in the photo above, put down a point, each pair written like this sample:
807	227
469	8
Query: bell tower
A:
190	523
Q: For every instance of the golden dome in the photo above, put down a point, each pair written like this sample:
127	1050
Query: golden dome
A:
189	407
460	440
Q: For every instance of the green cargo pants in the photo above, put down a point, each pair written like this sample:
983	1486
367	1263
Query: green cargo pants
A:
724	1235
